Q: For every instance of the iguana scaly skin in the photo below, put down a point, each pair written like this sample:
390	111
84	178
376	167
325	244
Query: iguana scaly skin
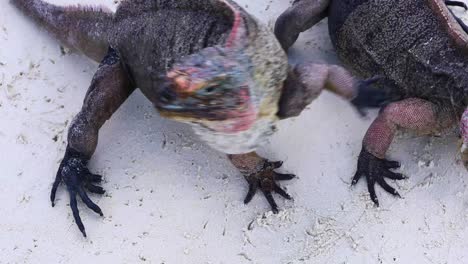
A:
419	47
207	63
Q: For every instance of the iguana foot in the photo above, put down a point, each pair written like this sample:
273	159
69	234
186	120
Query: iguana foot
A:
456	3
376	170
259	174
369	96
266	180
74	173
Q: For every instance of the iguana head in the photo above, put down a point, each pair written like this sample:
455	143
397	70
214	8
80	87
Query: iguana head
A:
210	87
229	93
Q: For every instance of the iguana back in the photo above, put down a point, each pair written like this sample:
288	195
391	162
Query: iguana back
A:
167	29
151	35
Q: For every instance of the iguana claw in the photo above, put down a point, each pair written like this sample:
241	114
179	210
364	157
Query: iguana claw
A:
376	170
265	180
76	176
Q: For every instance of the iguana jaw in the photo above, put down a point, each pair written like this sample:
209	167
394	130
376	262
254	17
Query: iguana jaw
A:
218	120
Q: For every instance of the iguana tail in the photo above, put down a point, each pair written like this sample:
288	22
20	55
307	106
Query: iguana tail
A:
80	28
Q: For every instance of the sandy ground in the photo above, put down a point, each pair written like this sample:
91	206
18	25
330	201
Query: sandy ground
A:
171	199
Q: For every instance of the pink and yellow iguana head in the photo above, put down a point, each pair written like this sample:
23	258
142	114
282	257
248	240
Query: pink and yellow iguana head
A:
229	93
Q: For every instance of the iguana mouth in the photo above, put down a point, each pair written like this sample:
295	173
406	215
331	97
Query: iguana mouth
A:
231	113
218	119
217	105
184	112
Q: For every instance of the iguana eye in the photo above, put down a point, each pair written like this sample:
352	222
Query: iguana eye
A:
208	90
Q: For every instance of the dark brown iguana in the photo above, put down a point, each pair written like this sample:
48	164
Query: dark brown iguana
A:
419	47
207	63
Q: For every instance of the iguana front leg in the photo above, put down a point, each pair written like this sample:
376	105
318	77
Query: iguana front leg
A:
302	15
306	81
109	88
259	174
417	115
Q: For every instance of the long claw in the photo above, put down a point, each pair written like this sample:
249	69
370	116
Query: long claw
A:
252	190
94	189
276	164
284	177
91	205
281	192
394	176
96	178
76	213
356	178
387	187
371	188
392	164
53	192
271	201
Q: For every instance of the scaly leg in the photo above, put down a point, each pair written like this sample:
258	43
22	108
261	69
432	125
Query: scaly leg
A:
302	15
306	81
109	88
417	115
259	174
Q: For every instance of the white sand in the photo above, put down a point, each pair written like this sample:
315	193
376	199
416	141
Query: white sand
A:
181	202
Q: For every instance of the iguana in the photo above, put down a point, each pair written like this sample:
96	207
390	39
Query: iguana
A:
207	63
419	47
